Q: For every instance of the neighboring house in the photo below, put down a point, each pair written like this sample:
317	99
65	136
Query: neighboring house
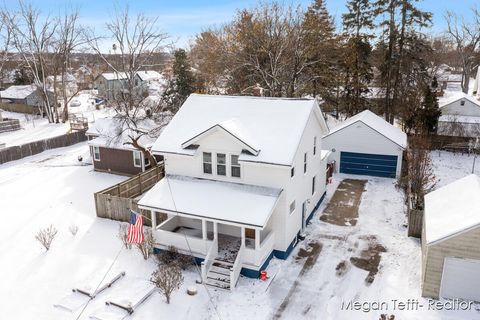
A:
70	84
366	144
450	241
113	84
244	176
450	81
460	116
109	148
25	94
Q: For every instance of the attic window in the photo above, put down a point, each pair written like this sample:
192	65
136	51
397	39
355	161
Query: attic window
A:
235	166
207	162
221	164
462	103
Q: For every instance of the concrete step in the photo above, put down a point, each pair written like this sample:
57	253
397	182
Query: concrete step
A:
217	284
222	264
220	270
219	277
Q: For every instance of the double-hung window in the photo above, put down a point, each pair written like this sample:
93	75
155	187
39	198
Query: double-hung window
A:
221	164
313	185
235	166
207	162
292	172
292	206
314	145
137	159
96	153
305	162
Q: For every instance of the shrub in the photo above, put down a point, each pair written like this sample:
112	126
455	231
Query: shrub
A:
123	235
73	229
172	256
45	236
167	278
146	247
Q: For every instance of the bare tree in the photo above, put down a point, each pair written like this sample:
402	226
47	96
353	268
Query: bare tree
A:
167	278
466	37
123	235
146	247
137	40
45	236
32	36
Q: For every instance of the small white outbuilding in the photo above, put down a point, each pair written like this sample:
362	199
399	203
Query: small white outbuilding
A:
366	144
451	241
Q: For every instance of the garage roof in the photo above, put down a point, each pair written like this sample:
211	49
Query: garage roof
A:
376	123
452	209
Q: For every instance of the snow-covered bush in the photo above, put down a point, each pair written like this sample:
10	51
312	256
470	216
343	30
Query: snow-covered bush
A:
167	278
123	235
146	247
73	229
45	236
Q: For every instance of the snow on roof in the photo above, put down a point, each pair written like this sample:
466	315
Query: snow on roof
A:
114	75
234	202
455	97
114	133
18	92
148	75
273	125
452	209
376	123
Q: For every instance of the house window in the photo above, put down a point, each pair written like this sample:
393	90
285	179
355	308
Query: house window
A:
235	166
313	185
207	162
305	163
462	103
292	206
96	153
314	145
292	172
221	164
137	159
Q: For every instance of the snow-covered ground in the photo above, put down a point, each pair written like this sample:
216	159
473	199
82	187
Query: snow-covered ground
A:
54	188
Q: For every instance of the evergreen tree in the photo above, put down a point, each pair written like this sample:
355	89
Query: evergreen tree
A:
321	49
430	111
358	70
182	83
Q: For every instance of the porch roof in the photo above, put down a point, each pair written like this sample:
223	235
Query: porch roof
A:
216	200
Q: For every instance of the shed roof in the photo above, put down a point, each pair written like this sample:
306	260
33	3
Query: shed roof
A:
272	126
457	96
18	92
452	209
376	123
233	202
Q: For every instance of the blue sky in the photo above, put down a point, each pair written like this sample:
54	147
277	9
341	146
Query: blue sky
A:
182	19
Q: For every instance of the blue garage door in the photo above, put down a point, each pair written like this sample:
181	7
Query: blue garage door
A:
368	164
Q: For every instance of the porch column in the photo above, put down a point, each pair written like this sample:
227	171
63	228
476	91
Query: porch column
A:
257	239
215	230
153	216
243	236
204	229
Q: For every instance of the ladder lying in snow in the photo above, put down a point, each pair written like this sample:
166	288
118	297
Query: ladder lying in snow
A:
124	305
80	296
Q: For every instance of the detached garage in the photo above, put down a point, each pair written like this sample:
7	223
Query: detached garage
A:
365	144
451	241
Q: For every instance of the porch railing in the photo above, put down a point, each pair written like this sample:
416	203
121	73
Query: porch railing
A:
211	255
236	268
257	256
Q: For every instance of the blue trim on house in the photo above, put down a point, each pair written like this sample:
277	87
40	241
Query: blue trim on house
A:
250	273
316	207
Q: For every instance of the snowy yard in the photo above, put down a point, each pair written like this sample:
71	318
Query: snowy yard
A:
53	188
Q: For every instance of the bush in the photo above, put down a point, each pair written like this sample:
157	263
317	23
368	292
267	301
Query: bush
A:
172	256
123	235
146	247
167	278
46	236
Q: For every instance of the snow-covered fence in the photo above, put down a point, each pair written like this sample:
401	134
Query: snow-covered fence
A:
9	125
35	147
116	202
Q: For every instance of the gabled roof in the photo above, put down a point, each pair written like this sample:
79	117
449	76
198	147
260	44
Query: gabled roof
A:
149	75
271	126
452	209
114	75
232	127
376	123
18	92
458	96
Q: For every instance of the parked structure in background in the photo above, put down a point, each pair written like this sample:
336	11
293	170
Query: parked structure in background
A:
460	116
70	84
243	178
450	238
110	149
28	95
112	85
366	144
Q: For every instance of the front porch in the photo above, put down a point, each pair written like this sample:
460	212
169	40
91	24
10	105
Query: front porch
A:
238	248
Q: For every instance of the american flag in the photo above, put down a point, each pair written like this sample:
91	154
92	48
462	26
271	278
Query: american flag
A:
135	230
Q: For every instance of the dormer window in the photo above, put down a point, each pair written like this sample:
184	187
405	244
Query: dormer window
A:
235	166
221	164
207	163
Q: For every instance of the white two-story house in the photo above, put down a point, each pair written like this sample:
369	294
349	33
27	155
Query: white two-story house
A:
244	176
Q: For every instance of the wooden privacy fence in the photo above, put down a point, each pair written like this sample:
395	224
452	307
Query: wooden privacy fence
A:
35	147
20	108
415	223
9	125
116	202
